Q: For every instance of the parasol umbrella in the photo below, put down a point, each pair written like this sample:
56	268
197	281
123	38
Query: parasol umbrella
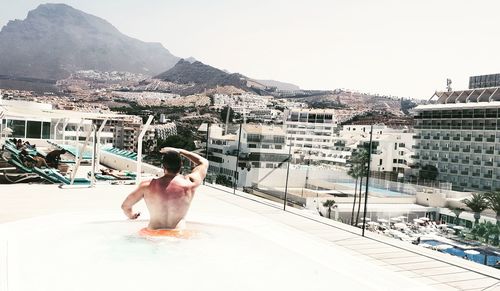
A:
400	225
443	247
424	218
372	223
458	227
367	219
395	219
382	220
442	225
418	220
472	252
425	245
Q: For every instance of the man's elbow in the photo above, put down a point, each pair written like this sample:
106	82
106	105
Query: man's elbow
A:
126	207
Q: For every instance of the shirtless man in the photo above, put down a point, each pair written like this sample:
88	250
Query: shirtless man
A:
168	198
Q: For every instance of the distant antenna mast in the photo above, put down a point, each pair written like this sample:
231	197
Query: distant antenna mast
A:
448	85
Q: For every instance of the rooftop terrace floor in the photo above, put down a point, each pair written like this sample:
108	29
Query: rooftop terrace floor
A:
400	264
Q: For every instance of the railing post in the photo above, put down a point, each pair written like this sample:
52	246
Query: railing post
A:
80	156
237	161
287	172
139	149
367	179
98	149
94	149
206	147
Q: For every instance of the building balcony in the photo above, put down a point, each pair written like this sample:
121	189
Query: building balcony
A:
453	171
466	162
444	159
417	137
489	152
427	137
435	148
467	138
465	173
476	174
478	139
490	139
486	187
454	160
455	149
435	137
478	151
425	147
477	163
487	176
466	150
446	138
425	158
445	148
416	146
463	184
434	158
456	138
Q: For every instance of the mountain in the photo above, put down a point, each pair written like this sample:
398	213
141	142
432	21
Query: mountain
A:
56	39
278	85
200	77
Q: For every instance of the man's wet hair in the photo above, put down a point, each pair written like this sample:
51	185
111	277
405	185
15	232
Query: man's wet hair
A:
63	151
172	162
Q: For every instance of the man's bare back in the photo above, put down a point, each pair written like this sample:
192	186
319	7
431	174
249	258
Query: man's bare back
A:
169	197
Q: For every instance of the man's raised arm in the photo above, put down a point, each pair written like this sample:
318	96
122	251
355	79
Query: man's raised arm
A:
200	170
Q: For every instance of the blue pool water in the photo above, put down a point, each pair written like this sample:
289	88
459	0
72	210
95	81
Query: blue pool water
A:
491	258
375	190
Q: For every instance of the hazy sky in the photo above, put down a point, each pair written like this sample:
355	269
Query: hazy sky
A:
401	48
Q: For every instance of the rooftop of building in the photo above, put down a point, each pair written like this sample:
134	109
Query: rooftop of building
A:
263	129
25	109
474	96
331	248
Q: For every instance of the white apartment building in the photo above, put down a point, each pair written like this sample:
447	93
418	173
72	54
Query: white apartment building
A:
262	153
242	103
392	148
312	135
162	131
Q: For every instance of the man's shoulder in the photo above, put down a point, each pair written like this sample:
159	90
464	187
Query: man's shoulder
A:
145	184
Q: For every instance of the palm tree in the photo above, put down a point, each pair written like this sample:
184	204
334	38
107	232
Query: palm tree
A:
355	173
457	211
477	203
330	204
493	199
362	158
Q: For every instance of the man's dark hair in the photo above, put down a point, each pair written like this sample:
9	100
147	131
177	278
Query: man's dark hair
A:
172	162
63	151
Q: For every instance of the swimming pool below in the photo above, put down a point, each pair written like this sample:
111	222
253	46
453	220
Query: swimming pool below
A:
491	258
104	252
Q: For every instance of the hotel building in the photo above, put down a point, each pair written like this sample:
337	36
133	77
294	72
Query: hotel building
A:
460	135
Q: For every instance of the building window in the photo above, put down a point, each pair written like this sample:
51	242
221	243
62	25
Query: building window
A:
396	146
34	129
18	127
278	147
394	161
252	146
380	162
